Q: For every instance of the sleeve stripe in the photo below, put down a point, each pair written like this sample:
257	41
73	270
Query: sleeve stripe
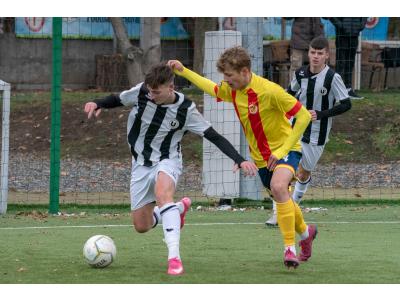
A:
216	93
294	110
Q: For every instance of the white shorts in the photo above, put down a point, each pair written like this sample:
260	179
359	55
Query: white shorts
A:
311	155
143	180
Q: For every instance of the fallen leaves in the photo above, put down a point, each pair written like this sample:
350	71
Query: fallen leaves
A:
33	214
22	269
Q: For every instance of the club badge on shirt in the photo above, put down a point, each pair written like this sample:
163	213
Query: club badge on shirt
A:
253	108
174	124
323	91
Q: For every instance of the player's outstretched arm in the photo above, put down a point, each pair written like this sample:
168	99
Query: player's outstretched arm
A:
248	167
342	107
303	118
94	107
175	65
201	82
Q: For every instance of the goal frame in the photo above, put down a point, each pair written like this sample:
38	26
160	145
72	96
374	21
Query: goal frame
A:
5	89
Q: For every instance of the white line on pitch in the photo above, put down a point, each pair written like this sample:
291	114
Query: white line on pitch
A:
193	224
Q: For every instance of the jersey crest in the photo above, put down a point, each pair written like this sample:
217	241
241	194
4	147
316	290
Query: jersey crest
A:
174	124
253	109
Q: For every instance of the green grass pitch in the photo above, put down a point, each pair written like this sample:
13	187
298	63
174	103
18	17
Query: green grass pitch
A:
355	245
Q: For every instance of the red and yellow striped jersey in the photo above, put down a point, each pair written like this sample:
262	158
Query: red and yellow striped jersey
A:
264	109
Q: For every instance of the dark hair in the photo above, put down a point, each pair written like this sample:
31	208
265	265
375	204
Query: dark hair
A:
320	43
235	58
159	74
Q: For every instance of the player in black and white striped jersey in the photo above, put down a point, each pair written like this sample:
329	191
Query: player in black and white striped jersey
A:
157	122
322	91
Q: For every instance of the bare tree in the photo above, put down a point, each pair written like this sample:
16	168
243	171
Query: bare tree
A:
139	59
150	41
201	25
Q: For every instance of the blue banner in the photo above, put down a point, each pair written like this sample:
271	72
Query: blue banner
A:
273	28
376	29
94	28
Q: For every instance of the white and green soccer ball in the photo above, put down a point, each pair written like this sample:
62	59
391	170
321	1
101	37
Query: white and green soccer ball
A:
99	251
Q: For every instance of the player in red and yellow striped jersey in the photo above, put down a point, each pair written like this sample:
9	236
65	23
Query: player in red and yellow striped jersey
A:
264	108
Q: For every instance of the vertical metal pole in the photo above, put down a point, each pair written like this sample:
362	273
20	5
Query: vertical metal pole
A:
252	37
357	65
283	29
220	23
55	117
5	138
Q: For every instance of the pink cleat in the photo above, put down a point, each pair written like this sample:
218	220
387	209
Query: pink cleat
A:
175	267
290	260
306	245
186	204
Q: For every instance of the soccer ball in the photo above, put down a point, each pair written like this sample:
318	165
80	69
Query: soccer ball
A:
99	251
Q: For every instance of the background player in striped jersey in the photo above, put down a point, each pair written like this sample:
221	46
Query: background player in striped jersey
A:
157	122
318	87
263	108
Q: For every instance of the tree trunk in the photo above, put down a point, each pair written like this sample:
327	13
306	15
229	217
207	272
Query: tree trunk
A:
139	59
150	41
201	25
132	54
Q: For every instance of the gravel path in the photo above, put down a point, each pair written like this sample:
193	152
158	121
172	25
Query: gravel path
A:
32	174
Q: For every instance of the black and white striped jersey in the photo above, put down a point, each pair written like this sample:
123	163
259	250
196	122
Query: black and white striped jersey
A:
318	92
155	131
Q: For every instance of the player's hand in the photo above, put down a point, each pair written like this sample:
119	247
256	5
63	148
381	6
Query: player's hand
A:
272	161
313	115
175	65
90	109
249	168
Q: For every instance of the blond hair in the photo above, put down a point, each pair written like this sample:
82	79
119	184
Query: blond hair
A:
236	58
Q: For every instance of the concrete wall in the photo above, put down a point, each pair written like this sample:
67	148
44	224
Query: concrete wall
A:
27	63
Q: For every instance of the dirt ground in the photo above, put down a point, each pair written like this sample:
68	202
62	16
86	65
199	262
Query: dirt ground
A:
105	138
102	139
359	127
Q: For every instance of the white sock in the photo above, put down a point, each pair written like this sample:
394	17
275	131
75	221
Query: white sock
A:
171	225
299	189
274	206
305	234
156	216
292	248
180	206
